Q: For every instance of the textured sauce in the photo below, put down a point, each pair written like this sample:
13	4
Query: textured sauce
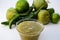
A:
29	30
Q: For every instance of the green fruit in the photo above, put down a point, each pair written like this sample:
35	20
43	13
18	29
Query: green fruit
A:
45	5
55	18
43	16
11	12
51	10
22	6
39	3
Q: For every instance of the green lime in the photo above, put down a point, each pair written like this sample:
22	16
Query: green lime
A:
43	16
51	10
39	3
11	12
55	18
22	6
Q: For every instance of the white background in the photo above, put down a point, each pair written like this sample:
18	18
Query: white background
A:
51	31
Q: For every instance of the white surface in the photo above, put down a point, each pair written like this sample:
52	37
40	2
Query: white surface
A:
51	31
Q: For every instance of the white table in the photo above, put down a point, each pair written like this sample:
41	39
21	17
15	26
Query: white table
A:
51	31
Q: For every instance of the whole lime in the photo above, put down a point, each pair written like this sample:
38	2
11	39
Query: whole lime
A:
39	3
43	16
11	12
45	5
22	6
55	18
51	10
